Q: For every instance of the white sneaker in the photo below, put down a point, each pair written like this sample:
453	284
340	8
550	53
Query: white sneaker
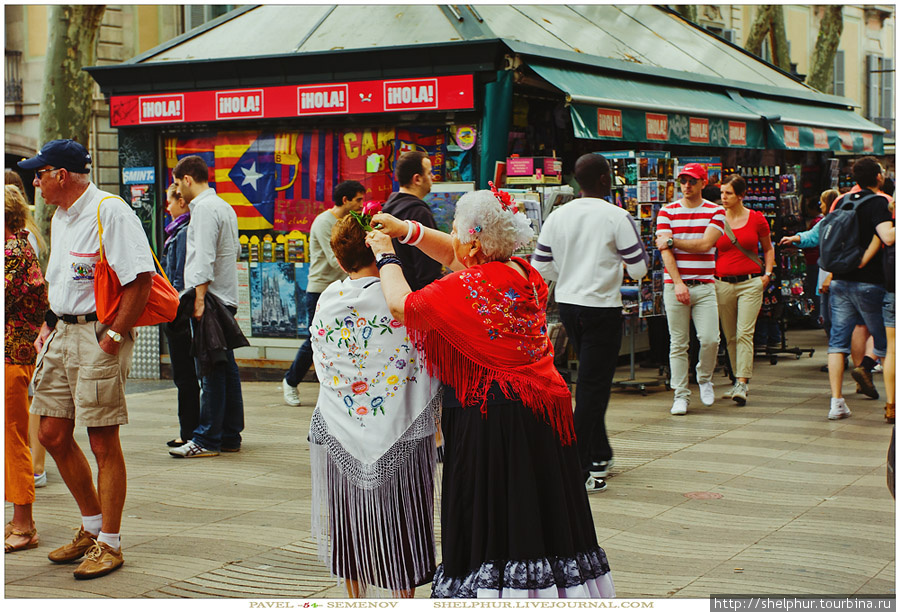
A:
839	409
739	393
40	480
291	398
594	485
679	406
707	394
728	394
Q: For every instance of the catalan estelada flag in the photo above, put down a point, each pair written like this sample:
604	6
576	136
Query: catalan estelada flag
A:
251	170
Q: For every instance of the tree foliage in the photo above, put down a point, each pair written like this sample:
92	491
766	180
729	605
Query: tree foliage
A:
688	11
67	90
768	22
821	70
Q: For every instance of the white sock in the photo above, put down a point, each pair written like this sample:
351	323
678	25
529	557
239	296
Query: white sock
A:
110	539
837	401
92	524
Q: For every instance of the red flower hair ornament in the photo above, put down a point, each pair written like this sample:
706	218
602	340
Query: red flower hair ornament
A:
507	202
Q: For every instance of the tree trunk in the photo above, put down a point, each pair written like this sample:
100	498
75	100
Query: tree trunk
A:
67	90
688	11
781	57
761	23
821	71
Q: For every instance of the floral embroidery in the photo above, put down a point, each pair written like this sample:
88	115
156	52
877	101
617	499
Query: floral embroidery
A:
364	392
501	315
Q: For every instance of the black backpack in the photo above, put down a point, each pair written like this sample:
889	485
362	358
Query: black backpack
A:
839	248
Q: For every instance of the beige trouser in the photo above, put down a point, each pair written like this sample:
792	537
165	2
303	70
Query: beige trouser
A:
739	305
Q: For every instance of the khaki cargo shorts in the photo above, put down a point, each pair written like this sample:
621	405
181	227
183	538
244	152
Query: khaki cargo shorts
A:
75	379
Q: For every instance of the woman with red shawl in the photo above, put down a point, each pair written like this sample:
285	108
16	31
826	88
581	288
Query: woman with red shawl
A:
515	518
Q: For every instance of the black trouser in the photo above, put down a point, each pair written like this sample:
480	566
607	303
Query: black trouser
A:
184	374
596	335
304	357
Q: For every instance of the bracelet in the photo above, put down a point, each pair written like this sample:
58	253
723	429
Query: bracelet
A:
386	259
421	234
409	232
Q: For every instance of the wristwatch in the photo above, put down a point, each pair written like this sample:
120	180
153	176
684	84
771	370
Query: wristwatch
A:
114	335
670	242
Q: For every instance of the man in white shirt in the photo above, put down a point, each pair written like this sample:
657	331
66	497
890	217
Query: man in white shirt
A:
324	269
82	364
582	247
211	266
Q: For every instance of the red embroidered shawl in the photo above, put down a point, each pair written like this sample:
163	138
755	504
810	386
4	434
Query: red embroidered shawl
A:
488	324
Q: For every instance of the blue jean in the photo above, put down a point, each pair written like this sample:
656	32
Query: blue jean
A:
303	360
887	309
850	303
596	335
221	406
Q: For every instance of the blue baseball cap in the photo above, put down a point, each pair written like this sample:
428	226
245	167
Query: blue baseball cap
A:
66	154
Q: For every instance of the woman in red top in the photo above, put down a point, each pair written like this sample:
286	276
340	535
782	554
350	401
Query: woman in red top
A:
740	281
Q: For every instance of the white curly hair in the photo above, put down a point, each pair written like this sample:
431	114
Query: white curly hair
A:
479	215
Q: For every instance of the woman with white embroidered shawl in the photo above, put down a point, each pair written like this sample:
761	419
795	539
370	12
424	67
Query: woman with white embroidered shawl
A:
371	436
515	518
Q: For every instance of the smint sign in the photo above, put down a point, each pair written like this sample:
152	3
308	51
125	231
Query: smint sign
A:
139	176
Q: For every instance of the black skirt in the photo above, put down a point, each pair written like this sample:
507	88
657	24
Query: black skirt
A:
514	510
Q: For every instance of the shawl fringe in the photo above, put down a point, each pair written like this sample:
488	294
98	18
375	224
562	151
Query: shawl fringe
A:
374	523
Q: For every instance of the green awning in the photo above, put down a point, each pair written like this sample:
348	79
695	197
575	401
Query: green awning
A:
611	108
606	107
809	127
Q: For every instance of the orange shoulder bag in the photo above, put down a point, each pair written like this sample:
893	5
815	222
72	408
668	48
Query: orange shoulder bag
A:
162	305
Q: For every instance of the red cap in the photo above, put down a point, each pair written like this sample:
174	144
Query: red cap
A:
696	171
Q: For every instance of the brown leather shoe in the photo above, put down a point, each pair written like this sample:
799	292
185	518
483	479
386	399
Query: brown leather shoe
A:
100	560
889	411
74	550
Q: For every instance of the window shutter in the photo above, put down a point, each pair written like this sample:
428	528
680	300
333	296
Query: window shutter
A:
887	88
873	97
839	73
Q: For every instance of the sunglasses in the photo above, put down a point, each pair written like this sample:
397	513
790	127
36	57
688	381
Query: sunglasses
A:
689	181
40	173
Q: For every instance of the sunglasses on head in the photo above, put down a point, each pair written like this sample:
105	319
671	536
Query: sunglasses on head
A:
690	181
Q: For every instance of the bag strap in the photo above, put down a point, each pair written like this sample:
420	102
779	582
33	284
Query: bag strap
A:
100	228
752	256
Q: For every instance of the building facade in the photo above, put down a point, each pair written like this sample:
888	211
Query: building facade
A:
126	31
864	63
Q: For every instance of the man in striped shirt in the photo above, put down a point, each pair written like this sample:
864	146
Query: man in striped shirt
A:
690	291
582	246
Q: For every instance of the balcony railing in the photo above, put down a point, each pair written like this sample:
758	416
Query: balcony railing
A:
13	76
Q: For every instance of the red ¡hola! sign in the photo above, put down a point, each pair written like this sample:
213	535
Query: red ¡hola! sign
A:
791	136
737	133
820	138
161	109
609	123
657	126
454	92
699	130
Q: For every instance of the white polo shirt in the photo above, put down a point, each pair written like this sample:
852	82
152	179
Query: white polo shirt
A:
75	249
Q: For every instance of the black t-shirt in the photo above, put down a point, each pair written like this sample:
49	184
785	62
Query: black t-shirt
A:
870	214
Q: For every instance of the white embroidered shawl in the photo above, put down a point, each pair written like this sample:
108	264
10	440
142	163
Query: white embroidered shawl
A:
371	436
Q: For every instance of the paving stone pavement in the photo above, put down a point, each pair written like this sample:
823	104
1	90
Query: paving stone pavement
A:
771	498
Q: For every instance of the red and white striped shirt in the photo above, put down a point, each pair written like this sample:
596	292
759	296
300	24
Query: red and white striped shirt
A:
688	224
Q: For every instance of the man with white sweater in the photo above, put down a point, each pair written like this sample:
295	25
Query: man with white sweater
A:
324	269
582	246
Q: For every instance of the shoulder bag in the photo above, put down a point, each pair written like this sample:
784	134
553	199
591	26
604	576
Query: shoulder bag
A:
162	305
753	256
